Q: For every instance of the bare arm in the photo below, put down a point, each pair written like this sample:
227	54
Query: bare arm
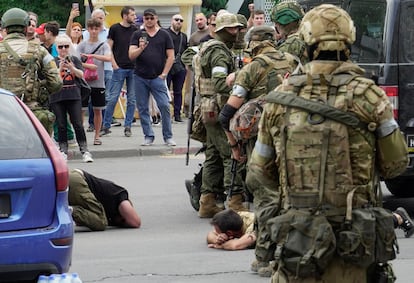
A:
169	62
130	216
111	45
73	14
241	243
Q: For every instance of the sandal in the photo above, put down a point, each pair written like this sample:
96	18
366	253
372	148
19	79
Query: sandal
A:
97	142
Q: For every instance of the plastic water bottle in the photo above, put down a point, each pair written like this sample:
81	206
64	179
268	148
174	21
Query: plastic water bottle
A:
75	278
43	279
54	278
65	278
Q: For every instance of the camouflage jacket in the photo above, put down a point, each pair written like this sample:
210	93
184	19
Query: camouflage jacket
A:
348	167
267	65
25	81
294	46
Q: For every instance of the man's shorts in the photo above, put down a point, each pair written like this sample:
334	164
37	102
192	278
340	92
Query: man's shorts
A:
97	98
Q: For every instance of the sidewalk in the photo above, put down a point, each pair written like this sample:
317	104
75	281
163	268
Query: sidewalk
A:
117	145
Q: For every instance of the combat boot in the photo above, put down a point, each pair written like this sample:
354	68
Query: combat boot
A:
208	206
236	203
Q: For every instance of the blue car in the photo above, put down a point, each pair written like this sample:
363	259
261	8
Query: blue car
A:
36	228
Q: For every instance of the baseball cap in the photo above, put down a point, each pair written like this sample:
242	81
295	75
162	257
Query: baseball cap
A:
150	11
41	29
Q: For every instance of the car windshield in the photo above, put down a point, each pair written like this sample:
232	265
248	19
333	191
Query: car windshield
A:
18	138
369	18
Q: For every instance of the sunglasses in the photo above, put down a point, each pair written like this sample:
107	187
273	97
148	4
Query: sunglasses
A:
148	18
61	46
178	20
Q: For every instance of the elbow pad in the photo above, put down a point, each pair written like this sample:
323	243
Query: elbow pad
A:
225	115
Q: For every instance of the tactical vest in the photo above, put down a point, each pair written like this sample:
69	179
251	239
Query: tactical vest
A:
276	67
322	160
19	73
202	77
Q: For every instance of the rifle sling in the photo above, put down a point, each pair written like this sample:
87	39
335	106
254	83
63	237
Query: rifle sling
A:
311	106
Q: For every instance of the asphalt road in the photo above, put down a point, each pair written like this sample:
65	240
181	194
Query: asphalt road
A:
170	246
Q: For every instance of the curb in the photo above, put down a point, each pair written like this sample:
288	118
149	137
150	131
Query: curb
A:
74	154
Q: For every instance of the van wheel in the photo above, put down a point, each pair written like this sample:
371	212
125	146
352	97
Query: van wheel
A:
401	186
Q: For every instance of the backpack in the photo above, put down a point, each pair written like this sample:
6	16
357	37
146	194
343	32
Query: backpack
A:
19	73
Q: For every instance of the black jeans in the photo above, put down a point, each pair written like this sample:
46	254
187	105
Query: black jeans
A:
74	109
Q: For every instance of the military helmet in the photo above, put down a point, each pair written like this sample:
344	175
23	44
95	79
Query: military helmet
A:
245	123
226	20
286	12
260	33
328	26
15	17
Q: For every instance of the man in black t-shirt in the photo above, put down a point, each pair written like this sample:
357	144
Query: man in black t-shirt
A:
97	203
153	51
123	70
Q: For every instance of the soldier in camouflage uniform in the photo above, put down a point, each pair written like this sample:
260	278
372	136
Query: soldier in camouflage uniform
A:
22	62
287	15
260	76
326	166
213	64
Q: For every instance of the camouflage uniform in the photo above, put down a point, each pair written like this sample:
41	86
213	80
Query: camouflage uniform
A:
261	75
287	15
342	163
38	63
215	63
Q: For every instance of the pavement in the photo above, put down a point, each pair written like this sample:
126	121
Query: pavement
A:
116	144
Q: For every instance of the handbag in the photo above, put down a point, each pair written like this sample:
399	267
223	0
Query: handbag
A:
177	65
89	74
85	89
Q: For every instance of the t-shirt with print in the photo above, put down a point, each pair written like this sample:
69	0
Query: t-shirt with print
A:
150	63
120	36
69	91
86	47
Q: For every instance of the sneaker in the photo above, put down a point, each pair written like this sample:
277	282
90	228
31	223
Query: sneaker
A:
170	142
256	265
105	132
115	123
127	132
148	141
407	224
90	129
87	157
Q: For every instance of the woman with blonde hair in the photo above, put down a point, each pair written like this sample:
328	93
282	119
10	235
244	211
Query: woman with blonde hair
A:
68	99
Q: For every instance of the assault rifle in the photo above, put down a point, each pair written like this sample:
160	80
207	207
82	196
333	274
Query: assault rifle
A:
233	169
190	125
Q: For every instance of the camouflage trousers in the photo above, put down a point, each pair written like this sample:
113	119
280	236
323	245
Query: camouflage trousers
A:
217	165
87	210
45	117
337	271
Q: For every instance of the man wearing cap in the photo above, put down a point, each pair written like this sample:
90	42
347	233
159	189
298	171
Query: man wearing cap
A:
287	15
254	80
152	49
213	64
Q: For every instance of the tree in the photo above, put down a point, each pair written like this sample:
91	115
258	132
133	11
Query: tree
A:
209	6
47	10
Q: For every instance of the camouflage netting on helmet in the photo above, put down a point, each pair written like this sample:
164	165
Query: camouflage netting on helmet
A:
245	123
286	12
328	26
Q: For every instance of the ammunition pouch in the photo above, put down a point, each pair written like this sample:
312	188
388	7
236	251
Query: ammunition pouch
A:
209	110
198	130
305	243
369	238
